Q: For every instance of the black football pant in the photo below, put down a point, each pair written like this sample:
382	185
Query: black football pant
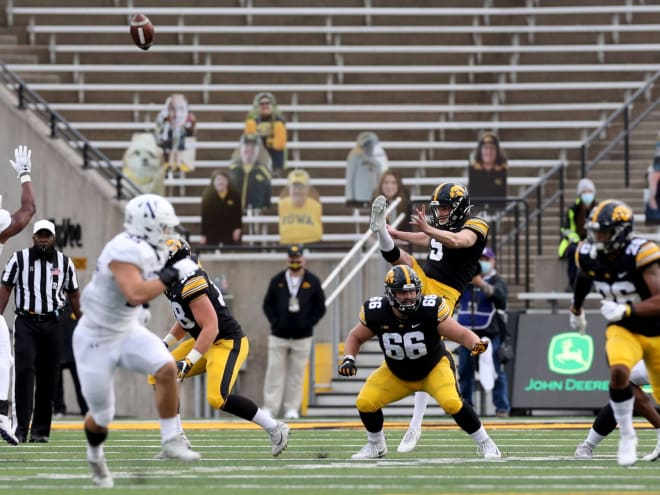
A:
37	361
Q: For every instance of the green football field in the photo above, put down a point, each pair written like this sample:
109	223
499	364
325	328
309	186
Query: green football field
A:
537	458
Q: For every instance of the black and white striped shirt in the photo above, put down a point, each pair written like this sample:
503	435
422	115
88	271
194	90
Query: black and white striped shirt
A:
39	284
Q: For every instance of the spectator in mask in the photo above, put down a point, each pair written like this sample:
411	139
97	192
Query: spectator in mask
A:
573	230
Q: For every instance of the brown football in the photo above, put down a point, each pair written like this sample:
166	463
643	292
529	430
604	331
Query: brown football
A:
142	31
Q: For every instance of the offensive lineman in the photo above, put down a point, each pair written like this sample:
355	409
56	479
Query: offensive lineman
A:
410	328
218	346
625	270
455	240
10	225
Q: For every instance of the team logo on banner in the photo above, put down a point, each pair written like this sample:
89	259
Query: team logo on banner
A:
570	353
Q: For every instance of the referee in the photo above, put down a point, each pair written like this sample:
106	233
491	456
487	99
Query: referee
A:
43	278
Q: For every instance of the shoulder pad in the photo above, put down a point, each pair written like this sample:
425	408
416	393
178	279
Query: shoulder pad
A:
478	225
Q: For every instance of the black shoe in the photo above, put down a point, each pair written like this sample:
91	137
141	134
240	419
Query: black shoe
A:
38	439
21	437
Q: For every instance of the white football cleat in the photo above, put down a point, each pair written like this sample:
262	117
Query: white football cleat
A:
177	448
291	414
409	440
100	473
6	431
378	208
371	451
585	450
279	437
488	450
627	453
653	456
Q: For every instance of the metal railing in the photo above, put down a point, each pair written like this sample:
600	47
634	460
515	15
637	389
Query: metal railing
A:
92	158
627	126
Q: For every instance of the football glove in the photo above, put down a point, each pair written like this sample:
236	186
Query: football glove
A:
613	311
347	366
479	348
184	366
170	275
22	165
578	322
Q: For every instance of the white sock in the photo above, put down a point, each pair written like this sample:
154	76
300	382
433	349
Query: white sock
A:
168	428
95	453
421	400
594	438
377	438
480	436
179	424
385	240
623	413
264	420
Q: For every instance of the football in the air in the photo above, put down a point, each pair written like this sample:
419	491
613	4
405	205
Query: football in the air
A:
142	31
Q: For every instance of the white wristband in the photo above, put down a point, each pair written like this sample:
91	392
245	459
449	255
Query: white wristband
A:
193	356
25	178
170	340
349	356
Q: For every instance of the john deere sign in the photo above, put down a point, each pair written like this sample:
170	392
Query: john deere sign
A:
558	368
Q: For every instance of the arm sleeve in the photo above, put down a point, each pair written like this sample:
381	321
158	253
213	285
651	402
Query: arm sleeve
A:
270	303
582	283
500	292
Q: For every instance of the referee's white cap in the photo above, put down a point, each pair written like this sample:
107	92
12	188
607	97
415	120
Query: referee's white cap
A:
44	225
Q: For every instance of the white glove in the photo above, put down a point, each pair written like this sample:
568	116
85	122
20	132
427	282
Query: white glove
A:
22	165
578	322
613	311
184	267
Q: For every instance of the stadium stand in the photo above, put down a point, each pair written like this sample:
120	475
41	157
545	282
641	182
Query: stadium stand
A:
477	69
429	80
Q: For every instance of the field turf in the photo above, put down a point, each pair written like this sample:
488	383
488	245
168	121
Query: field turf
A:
537	458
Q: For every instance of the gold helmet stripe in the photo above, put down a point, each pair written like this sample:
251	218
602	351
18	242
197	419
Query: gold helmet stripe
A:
599	207
406	272
434	196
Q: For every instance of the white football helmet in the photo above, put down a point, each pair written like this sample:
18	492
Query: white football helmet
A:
150	217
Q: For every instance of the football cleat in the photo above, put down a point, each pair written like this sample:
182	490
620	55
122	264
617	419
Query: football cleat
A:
585	450
291	414
378	208
655	455
627	453
488	450
177	448
100	473
279	437
409	440
371	451
6	430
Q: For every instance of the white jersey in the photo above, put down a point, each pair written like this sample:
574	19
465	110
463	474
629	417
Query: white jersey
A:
5	221
102	303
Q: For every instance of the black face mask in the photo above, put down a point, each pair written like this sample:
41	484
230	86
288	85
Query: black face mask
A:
44	253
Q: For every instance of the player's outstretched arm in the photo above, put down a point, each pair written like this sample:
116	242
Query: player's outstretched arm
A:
21	217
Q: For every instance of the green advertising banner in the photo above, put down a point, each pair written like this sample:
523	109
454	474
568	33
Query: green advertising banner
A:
556	367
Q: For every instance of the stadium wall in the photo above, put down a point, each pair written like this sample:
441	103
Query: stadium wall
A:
72	196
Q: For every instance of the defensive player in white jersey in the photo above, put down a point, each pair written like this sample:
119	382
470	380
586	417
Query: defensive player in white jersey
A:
130	271
10	225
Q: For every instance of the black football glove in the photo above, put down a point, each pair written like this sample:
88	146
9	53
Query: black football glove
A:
169	276
347	367
479	348
184	366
